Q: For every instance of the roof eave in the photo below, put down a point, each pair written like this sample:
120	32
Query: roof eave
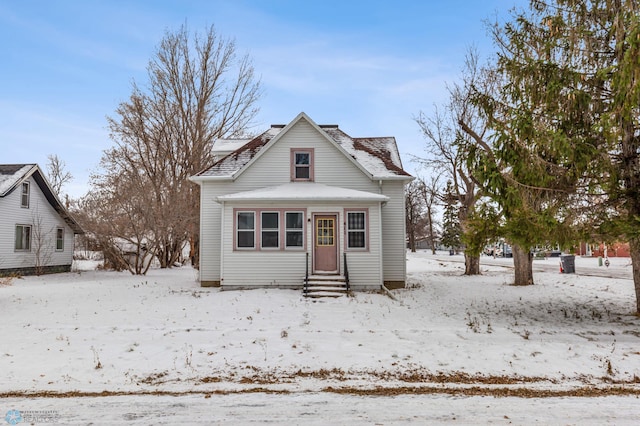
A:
382	199
395	177
200	179
55	202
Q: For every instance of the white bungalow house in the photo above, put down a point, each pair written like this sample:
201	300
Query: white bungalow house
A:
301	201
36	231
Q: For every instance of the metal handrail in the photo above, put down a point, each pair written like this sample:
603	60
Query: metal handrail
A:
306	276
346	272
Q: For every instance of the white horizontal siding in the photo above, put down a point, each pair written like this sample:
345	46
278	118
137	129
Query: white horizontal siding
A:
286	268
364	266
12	214
393	232
210	228
331	166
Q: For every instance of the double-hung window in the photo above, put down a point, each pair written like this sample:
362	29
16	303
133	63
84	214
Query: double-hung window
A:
23	238
356	230
294	222
270	230
246	230
59	239
302	164
24	195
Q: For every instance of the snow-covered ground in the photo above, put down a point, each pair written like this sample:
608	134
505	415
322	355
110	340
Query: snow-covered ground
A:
159	349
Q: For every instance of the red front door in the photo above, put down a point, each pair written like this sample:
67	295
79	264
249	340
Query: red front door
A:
325	244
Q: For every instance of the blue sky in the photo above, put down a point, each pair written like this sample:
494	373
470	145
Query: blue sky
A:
369	66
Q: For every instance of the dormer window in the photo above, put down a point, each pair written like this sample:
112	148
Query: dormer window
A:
302	164
24	199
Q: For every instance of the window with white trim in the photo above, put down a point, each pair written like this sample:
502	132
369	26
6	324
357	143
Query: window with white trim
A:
59	239
302	164
24	196
23	238
356	230
270	230
294	229
246	230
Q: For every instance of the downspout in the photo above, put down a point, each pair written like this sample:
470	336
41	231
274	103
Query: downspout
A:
222	244
380	258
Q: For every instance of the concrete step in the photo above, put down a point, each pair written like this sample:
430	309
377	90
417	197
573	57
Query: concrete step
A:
326	286
326	278
319	294
313	288
328	283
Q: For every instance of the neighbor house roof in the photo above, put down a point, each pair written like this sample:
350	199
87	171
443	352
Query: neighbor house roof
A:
376	156
12	176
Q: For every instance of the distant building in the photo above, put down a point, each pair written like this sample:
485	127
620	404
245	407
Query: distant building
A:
36	230
618	249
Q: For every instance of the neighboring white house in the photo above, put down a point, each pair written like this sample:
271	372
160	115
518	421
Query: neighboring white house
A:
36	231
303	198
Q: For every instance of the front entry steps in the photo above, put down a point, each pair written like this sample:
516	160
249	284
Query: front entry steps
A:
326	286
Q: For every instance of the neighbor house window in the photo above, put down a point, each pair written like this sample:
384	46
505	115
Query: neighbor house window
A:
302	164
270	225
23	238
294	229
24	199
356	230
59	239
246	230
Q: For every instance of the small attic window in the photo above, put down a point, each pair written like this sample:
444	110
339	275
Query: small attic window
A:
24	199
302	164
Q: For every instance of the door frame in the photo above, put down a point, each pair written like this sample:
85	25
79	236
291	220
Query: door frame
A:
336	218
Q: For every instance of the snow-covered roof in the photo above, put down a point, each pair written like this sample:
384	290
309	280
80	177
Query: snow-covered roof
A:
378	156
12	175
224	147
304	191
233	162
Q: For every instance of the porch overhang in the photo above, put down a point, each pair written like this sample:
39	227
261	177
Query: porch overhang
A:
304	191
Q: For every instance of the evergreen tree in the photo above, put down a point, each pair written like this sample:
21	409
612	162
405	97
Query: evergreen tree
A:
572	121
534	163
451	229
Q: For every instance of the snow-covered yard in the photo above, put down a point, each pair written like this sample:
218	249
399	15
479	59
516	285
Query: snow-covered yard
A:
446	339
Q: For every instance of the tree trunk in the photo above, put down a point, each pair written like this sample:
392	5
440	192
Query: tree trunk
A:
522	265
634	246
412	241
471	264
194	252
432	233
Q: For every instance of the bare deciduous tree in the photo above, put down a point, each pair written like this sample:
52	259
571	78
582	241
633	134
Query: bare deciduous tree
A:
57	174
41	242
414	213
198	90
430	195
420	212
447	147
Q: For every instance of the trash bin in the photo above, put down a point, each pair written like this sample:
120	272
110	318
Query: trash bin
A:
451	252
568	262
